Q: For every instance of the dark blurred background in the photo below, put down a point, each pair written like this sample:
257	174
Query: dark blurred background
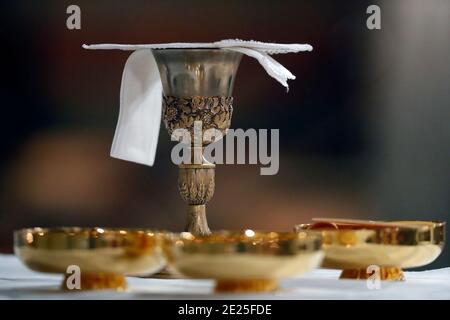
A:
364	129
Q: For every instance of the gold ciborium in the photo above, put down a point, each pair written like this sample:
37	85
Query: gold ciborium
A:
197	86
243	261
102	256
385	248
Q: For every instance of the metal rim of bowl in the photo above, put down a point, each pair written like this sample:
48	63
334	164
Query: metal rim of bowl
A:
406	233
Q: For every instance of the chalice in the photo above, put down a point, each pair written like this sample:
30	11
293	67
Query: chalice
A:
197	86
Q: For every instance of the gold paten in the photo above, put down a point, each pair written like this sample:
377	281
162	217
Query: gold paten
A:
246	261
104	256
403	244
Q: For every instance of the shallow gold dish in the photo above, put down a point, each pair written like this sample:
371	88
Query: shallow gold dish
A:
103	256
244	261
389	246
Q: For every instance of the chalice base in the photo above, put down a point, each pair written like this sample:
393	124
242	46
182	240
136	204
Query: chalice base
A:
386	274
99	281
258	285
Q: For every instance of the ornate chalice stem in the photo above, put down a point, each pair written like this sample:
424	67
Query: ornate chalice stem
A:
196	179
196	186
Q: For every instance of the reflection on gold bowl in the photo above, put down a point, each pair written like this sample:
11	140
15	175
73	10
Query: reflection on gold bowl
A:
244	261
388	246
103	256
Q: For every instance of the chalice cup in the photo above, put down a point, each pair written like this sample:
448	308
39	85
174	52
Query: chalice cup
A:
197	86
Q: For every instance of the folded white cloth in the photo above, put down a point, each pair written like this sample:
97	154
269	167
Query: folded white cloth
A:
137	130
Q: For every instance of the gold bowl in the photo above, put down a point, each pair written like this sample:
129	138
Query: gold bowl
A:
101	256
246	261
383	247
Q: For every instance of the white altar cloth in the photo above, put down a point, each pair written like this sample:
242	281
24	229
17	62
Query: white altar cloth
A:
18	282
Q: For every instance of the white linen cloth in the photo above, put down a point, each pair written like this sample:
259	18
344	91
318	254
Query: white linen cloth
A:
137	130
17	282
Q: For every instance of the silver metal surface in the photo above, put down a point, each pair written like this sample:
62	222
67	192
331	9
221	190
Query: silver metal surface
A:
197	72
